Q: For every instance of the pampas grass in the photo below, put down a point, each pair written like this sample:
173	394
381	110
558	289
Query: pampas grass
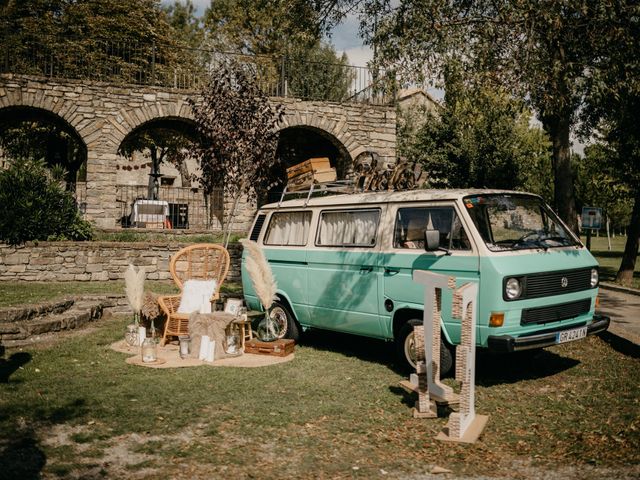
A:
134	287
260	273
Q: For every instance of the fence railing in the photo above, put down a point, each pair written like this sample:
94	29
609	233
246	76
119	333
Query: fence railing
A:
175	208
179	67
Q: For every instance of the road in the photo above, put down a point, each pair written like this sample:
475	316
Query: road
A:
624	310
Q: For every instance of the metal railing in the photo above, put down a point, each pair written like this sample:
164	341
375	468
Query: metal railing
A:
178	67
186	208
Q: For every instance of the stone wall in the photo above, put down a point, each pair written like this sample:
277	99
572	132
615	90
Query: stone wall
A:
103	114
93	261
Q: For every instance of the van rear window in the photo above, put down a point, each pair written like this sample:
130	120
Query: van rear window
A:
354	228
288	228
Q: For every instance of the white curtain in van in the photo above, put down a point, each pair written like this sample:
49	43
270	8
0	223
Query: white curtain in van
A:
349	228
288	228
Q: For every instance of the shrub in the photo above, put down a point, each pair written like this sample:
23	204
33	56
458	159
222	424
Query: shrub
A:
34	206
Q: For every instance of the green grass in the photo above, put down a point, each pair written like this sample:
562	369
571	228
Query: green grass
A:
34	292
610	260
336	406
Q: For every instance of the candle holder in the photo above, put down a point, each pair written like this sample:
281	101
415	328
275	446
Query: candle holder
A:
185	346
149	350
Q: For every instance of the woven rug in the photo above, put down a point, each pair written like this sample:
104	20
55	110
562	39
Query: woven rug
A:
169	357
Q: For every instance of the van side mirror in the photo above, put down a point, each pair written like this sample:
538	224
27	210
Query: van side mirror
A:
431	240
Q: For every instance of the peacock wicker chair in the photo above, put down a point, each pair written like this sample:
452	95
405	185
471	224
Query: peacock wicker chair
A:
203	261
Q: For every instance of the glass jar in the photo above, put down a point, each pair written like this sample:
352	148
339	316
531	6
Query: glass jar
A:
131	335
149	350
232	340
185	346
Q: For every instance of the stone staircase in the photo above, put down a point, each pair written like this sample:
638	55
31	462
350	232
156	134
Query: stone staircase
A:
25	325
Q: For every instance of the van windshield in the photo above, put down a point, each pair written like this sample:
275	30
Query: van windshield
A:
515	222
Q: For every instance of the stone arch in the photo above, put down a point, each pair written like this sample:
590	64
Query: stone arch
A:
56	147
126	120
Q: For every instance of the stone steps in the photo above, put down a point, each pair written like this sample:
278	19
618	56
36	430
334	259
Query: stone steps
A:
24	325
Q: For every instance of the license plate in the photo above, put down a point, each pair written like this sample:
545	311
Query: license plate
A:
571	335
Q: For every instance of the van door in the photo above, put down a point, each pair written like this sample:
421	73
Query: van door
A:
344	271
406	254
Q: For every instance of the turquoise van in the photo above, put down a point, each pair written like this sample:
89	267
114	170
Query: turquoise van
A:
345	263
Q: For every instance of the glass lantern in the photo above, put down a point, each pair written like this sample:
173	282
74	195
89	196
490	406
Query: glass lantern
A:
131	335
149	350
232	340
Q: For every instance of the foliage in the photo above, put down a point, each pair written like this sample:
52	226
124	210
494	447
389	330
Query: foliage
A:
541	50
36	207
601	184
286	37
238	129
480	138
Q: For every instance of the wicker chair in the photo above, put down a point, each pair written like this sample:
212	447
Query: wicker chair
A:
204	261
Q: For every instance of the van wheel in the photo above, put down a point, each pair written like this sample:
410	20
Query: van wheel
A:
286	324
406	353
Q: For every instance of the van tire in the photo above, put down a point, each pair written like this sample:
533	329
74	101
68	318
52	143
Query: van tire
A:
281	313
404	345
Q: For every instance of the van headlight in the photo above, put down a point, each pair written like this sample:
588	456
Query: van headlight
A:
594	277
512	288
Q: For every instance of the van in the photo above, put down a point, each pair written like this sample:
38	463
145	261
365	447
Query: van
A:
345	263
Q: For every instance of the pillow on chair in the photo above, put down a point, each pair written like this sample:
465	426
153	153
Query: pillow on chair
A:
194	294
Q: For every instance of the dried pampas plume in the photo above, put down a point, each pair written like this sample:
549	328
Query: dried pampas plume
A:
260	273
134	287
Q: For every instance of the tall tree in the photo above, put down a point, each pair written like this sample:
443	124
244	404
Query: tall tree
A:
541	50
239	136
613	108
480	137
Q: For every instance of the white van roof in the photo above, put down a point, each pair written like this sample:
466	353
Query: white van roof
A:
382	197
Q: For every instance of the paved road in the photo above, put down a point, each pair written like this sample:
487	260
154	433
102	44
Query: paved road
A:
624	310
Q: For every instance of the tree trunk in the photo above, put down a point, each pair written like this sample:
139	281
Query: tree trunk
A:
558	127
625	273
185	178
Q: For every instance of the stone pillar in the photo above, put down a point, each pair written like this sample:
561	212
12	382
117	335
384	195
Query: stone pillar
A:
101	188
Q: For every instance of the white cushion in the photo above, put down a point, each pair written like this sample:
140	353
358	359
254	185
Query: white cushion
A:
195	293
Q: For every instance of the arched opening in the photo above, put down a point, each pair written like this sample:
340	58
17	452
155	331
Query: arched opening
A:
155	173
300	143
38	134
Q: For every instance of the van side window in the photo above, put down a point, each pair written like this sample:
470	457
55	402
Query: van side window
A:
288	228
412	222
355	228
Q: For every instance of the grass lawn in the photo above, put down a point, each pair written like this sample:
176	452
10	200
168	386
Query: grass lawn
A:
610	260
75	409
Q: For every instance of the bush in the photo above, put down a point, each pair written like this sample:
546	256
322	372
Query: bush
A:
34	206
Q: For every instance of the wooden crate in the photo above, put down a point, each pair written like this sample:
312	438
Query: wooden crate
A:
313	165
278	348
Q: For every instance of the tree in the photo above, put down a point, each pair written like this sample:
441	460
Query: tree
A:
479	138
284	42
613	109
540	50
239	137
161	144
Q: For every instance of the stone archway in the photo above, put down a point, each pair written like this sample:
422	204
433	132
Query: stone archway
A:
33	132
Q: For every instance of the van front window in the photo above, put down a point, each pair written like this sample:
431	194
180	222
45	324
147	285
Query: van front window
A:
515	222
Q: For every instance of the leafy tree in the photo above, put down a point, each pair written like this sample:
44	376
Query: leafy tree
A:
36	207
541	50
479	138
161	144
239	137
284	39
187	27
613	108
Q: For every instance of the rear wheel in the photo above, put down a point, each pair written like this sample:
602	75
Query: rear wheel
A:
285	322
405	348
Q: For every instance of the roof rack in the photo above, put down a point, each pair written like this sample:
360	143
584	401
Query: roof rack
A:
335	187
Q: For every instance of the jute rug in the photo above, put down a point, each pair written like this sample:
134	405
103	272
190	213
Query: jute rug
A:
169	357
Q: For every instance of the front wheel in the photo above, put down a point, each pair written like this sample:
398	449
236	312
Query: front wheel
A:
406	353
286	325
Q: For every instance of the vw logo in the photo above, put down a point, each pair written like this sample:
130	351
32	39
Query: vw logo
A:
564	282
